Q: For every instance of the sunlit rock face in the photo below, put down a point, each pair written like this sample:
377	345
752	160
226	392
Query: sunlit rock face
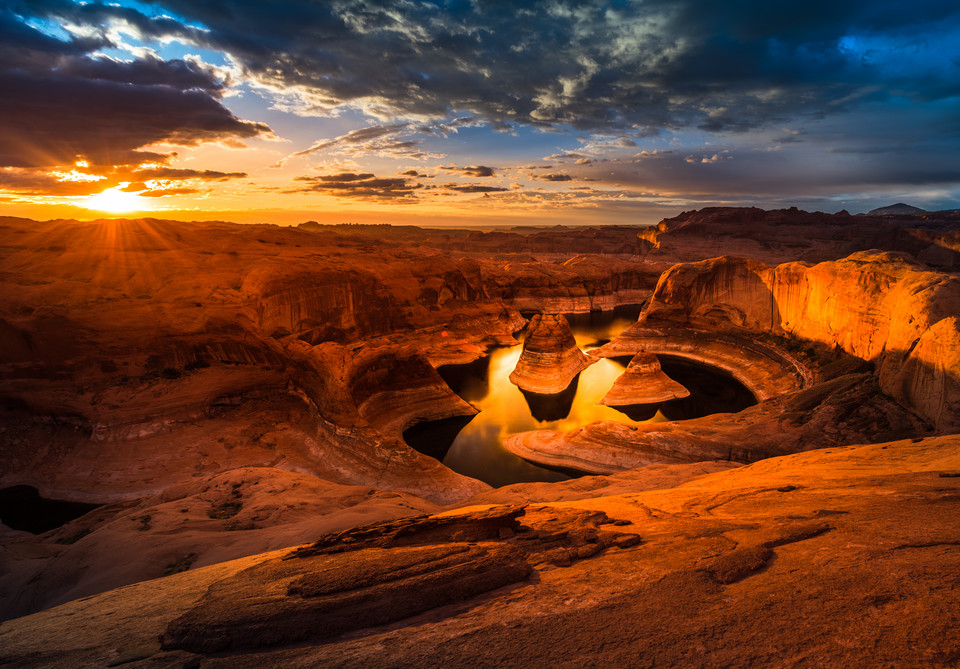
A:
881	307
782	235
581	283
801	338
178	370
845	410
643	382
784	554
550	358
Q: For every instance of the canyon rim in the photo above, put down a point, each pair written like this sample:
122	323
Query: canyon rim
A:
447	334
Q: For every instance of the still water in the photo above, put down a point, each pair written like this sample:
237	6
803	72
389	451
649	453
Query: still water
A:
473	446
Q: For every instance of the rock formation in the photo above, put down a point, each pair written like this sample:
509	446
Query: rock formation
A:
783	235
775	555
224	390
550	358
845	410
896	209
373	575
880	307
643	382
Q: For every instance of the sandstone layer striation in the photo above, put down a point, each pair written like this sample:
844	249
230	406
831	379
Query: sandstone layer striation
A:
643	382
775	555
551	358
226	390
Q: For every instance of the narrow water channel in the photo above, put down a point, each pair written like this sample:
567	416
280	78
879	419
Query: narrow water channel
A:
474	447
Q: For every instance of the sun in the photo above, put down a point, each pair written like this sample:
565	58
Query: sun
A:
115	201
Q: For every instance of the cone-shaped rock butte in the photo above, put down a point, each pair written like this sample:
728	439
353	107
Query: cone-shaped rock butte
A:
473	447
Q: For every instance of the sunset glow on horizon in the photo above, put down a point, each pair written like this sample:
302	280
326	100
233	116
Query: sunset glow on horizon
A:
464	113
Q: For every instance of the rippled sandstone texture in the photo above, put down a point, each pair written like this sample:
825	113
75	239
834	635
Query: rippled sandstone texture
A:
839	557
237	389
882	309
551	358
643	382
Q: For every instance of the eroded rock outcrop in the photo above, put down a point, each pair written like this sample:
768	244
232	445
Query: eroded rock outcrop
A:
643	382
881	307
380	573
775	555
765	370
551	358
200	521
845	410
783	235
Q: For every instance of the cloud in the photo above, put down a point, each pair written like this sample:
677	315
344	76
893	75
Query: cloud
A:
163	192
474	188
598	66
32	182
61	102
578	158
183	173
383	140
841	76
555	177
365	186
474	171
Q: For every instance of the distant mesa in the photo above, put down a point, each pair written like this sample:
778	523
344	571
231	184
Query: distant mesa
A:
550	359
643	382
897	209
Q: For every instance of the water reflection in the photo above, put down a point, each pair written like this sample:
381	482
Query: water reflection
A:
477	451
557	406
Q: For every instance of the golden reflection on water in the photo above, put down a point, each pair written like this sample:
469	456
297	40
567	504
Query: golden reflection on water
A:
504	411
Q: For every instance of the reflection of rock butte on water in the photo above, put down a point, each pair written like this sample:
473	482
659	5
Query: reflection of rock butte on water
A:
550	358
643	382
555	406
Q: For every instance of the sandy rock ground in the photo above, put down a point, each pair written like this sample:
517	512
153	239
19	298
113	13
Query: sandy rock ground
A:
845	557
233	391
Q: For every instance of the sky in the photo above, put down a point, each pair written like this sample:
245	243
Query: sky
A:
475	112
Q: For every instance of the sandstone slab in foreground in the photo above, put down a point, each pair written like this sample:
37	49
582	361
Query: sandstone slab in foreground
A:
843	557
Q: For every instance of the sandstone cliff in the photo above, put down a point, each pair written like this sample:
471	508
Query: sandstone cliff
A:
775	556
881	307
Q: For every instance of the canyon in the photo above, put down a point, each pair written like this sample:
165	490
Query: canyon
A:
226	393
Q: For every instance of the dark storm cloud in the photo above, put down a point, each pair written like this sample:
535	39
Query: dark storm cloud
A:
554	177
620	70
744	173
594	65
366	186
60	102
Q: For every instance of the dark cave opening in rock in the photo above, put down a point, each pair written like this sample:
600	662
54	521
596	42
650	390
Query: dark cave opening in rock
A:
22	508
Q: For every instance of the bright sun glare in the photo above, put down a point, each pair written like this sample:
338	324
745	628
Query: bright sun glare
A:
115	201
